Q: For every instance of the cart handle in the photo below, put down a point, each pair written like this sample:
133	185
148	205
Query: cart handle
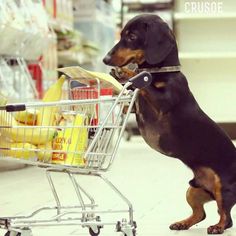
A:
17	107
141	80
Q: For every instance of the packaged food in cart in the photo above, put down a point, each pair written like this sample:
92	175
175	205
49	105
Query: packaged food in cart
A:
93	91
71	142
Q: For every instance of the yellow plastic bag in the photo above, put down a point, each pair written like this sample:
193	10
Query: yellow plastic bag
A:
72	142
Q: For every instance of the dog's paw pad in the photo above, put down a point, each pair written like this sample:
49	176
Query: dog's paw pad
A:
215	229
179	226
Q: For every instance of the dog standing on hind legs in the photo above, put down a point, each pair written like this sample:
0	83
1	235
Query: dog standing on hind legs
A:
171	122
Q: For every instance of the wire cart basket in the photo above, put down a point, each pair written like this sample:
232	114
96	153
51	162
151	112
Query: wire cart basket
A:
78	142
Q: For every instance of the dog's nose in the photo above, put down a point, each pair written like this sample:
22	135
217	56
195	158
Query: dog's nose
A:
107	59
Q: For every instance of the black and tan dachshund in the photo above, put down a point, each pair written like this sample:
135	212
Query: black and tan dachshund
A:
171	121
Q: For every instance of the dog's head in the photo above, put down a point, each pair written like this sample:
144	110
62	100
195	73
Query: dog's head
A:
144	39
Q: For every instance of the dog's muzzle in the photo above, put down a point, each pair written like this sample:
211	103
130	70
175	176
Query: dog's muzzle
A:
107	59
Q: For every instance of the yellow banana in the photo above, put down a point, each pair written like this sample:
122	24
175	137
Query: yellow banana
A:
21	134
46	114
27	117
17	150
44	155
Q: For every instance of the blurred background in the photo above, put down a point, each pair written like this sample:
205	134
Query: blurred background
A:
39	36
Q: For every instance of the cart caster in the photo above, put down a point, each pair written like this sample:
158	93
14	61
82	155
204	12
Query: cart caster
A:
23	232
95	231
126	229
12	233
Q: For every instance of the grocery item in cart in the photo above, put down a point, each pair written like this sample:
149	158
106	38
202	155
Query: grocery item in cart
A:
27	117
71	141
97	112
86	76
54	93
17	150
34	135
44	152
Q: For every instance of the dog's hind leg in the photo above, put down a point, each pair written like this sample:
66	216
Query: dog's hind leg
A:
225	201
196	198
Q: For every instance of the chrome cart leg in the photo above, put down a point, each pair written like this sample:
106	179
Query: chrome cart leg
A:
128	228
91	199
79	195
94	230
52	186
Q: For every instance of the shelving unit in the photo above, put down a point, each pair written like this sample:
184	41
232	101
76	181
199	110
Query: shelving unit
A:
24	34
207	49
96	20
185	16
132	8
207	55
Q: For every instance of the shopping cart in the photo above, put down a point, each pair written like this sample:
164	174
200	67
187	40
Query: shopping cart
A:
90	151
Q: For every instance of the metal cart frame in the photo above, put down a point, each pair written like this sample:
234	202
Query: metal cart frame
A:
84	214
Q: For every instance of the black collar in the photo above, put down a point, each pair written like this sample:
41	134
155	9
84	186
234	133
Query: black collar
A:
163	69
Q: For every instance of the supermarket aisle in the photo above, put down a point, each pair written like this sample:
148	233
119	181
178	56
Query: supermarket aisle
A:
155	185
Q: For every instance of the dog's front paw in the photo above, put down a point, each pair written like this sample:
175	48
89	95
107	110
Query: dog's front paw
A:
215	229
179	226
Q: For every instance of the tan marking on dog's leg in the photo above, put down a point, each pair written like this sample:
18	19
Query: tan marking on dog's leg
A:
220	226
196	198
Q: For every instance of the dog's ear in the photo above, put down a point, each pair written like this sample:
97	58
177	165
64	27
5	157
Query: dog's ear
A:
158	43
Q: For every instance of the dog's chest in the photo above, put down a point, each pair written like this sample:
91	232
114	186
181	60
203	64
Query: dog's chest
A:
154	126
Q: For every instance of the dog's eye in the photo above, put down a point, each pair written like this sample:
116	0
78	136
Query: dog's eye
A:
132	37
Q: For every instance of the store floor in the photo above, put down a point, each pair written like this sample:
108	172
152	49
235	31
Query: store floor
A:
156	186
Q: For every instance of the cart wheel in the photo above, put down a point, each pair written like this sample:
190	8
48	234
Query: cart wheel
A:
118	226
133	233
127	135
11	233
92	233
7	233
119	229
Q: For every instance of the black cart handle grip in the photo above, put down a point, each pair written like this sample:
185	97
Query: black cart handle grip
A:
141	80
13	108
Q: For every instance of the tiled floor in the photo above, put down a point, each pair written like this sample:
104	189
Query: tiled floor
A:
155	185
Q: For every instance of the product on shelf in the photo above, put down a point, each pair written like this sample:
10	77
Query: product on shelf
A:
24	28
19	85
96	20
60	14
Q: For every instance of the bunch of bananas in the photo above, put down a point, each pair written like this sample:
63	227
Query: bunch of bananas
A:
23	134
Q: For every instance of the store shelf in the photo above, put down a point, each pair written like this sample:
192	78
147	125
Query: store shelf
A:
207	55
185	16
60	27
67	57
140	6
